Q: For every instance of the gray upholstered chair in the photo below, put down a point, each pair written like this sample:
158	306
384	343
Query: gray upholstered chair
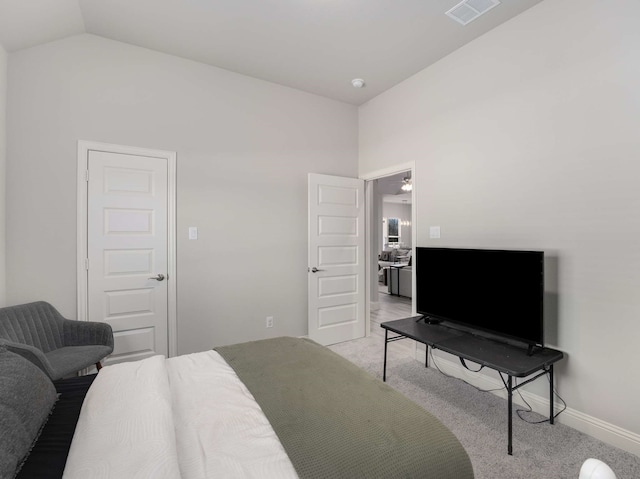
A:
58	346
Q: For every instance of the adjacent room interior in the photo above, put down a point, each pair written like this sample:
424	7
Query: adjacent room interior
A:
392	299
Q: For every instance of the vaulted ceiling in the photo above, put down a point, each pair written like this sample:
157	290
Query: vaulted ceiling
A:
317	46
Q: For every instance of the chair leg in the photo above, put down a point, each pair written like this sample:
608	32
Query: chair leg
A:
98	366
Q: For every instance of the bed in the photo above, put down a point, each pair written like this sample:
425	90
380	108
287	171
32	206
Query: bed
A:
276	408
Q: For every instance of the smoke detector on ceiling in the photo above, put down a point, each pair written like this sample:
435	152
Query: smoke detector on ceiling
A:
468	10
357	83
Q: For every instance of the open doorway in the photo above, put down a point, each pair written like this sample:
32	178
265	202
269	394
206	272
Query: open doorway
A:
391	218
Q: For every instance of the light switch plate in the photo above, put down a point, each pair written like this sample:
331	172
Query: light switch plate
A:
434	232
193	232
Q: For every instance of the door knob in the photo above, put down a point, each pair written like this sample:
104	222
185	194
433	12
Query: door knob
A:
315	270
160	277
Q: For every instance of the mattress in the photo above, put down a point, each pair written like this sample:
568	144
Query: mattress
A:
279	408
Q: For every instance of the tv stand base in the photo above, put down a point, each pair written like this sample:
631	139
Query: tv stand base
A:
428	320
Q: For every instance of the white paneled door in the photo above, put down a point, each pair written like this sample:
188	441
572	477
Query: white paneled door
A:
336	259
127	250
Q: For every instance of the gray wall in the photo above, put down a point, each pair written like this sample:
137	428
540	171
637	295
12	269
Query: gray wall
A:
528	138
3	162
244	149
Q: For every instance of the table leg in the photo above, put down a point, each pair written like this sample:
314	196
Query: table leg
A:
397	281
391	280
510	419
551	418
384	367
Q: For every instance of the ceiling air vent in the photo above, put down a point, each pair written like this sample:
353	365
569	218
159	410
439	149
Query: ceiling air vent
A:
468	10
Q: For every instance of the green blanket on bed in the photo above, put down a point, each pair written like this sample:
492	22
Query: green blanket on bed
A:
336	421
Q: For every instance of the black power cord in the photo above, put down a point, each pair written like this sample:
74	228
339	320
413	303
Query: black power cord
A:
519	412
433	361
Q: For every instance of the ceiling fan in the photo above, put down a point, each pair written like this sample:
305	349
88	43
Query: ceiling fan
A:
398	184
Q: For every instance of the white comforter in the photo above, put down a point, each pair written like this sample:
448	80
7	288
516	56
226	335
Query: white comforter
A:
184	417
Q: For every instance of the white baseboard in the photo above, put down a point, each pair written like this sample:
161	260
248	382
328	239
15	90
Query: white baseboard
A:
594	427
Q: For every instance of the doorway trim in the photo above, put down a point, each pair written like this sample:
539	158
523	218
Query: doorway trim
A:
82	224
368	177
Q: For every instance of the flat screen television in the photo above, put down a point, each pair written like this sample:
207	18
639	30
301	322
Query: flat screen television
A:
493	291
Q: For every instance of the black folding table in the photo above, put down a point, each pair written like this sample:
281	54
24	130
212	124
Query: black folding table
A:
510	359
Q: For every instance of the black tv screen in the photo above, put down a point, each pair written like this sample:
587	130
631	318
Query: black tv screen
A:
496	291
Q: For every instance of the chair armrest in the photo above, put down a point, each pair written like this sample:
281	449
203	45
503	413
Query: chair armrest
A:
84	333
31	354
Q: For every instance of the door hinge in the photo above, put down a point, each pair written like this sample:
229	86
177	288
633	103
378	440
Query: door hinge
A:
86	264
86	175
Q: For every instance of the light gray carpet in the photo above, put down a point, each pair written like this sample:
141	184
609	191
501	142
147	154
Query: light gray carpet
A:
479	421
